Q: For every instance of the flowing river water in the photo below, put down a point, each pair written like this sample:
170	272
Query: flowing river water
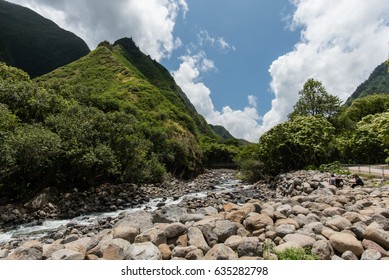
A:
47	227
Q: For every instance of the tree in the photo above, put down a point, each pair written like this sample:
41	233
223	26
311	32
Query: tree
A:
295	144
369	105
315	100
369	142
28	159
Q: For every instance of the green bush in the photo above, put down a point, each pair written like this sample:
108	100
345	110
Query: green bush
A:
296	254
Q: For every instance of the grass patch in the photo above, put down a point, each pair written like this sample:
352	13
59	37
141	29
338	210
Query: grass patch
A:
296	254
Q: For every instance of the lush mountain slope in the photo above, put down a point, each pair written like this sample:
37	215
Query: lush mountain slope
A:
378	82
34	43
120	77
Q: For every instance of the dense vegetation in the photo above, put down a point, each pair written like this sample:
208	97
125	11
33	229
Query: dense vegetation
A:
378	82
114	116
34	43
321	131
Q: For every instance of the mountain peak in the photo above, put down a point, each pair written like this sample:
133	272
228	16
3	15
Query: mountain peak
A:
35	44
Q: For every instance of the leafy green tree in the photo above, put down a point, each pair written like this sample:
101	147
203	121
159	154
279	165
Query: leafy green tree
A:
28	159
369	143
314	100
8	121
369	105
296	144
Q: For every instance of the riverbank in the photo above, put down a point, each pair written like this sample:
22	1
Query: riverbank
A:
298	210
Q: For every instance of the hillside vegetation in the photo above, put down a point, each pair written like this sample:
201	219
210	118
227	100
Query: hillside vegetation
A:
321	133
33	43
112	116
378	82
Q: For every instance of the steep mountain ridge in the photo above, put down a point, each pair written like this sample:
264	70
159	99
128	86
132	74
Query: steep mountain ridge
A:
378	82
120	77
33	43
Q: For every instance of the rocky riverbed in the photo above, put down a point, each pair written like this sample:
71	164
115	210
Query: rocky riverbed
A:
236	221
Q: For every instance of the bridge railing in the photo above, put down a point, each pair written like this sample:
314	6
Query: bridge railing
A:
381	170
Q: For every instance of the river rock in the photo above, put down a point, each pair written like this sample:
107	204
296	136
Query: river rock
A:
117	249
285	209
174	230
221	252
285	229
249	247
302	239
144	251
233	242
371	245
287	245
209	235
195	255
377	234
181	252
371	255
338	223
67	254
139	219
343	242
82	245
169	214
196	238
207	211
166	253
49	249
29	250
255	221
126	232
350	256
224	229
155	235
322	249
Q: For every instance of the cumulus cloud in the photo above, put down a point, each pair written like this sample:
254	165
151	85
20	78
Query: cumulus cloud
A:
149	22
240	123
204	38
341	43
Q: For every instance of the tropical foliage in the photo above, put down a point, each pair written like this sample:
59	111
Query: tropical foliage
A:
114	116
321	131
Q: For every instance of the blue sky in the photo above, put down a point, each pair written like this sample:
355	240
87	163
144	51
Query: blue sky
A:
257	34
241	63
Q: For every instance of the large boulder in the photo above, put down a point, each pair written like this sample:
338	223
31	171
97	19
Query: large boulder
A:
302	239
139	219
117	249
196	238
343	242
144	251
221	252
255	221
174	230
67	254
377	234
224	229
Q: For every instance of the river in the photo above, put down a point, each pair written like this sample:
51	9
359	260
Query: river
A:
227	184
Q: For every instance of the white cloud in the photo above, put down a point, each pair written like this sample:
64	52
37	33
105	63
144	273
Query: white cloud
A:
149	22
341	43
220	43
240	123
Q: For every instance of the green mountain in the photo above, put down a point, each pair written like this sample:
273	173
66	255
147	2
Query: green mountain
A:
113	116
378	82
120	77
222	132
33	43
